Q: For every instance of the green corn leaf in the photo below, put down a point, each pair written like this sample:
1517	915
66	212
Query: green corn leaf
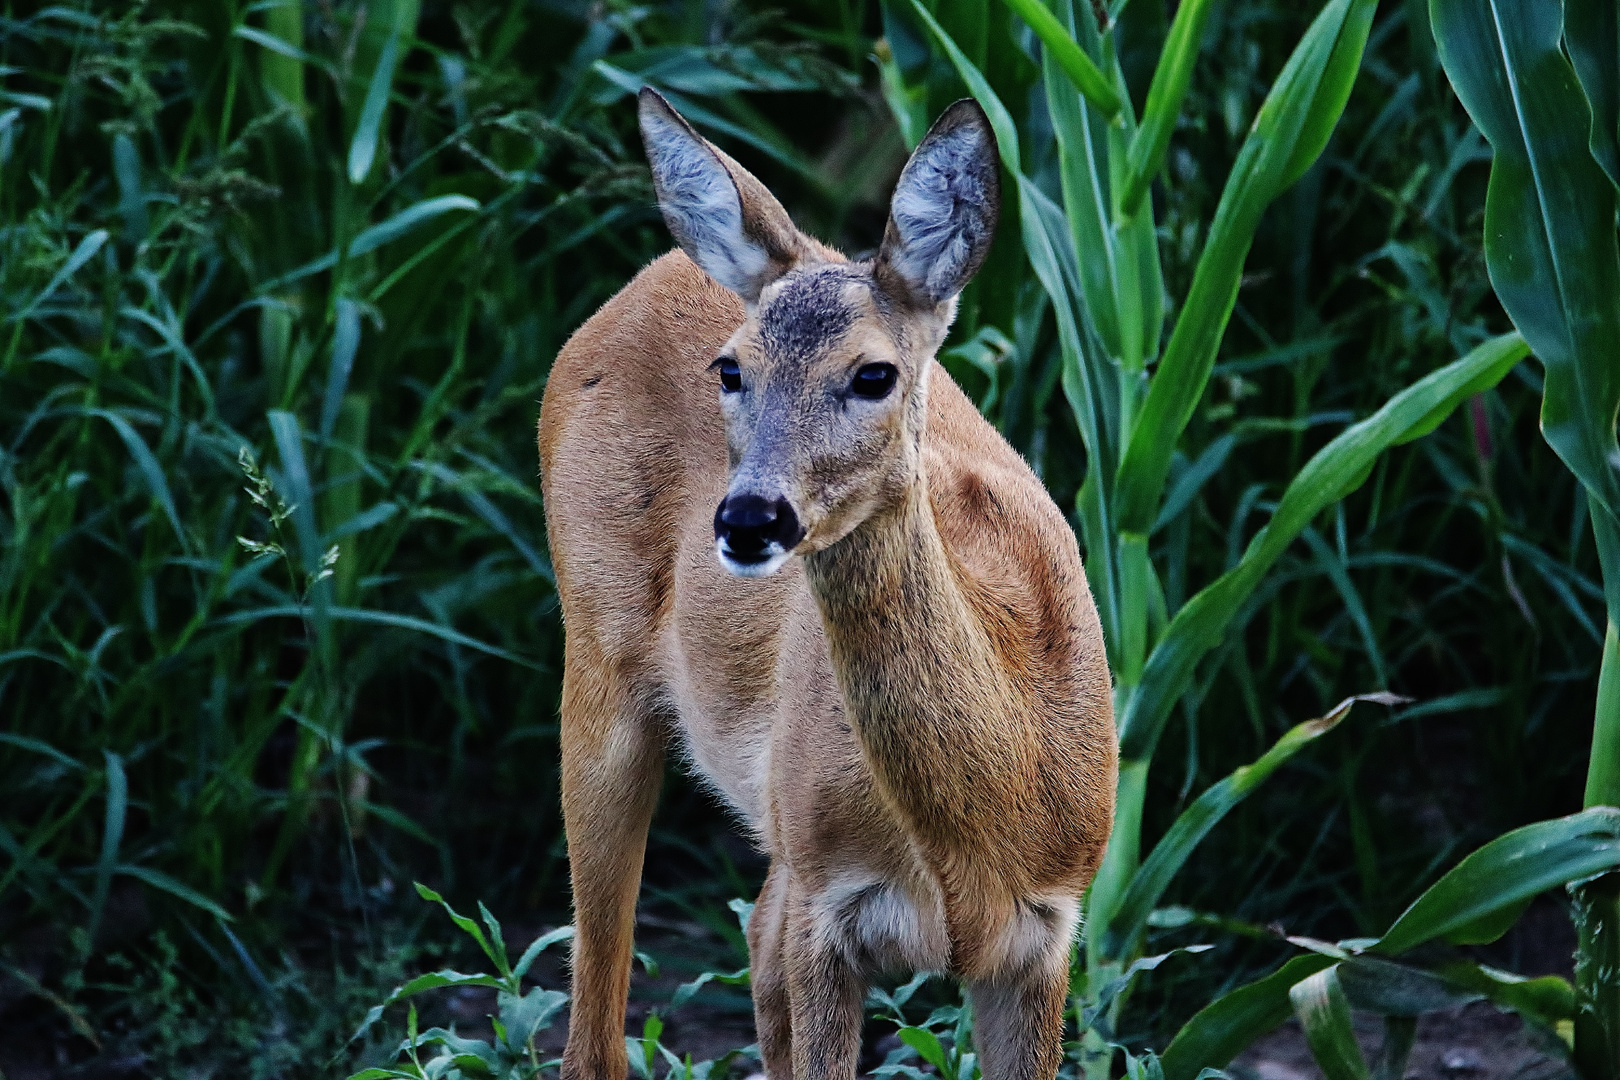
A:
1550	241
421	983
1069	56
466	925
1332	473
1293	123
1083	160
1129	921
1514	866
1324	1012
1221	1030
1170	81
1120	278
1374	984
1592	39
1603	770
1103	998
1543	1001
526	1015
685	991
1332	92
927	1044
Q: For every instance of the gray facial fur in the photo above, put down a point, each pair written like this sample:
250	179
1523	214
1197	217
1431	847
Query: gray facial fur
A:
808	314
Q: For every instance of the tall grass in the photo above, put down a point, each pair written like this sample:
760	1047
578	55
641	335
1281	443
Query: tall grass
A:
281	285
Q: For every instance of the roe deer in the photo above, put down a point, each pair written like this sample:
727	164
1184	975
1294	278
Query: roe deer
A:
785	540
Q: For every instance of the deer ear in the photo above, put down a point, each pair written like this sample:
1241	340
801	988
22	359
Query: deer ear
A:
943	216
723	218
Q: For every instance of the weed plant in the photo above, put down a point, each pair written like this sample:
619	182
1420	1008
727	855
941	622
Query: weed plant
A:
244	697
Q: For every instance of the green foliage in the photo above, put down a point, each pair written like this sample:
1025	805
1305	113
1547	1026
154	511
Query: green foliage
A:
279	287
280	284
1540	80
511	1055
1321	988
1131	422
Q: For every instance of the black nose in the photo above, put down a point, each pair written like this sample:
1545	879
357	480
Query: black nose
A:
749	524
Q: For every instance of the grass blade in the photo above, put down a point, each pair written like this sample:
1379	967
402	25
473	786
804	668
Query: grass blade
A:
1069	56
363	148
345	343
112	835
1170	81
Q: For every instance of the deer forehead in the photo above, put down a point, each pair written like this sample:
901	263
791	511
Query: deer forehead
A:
809	313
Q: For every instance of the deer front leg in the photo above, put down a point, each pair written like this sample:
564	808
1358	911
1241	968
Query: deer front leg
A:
612	763
1018	1019
773	1005
825	992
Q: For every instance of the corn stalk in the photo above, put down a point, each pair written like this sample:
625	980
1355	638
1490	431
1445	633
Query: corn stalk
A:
1541	79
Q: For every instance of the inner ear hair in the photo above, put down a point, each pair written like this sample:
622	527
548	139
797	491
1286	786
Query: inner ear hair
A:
943	215
722	217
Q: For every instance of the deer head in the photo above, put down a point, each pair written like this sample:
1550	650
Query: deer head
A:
824	386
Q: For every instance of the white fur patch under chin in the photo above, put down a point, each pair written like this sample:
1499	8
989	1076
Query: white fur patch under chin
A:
701	205
938	210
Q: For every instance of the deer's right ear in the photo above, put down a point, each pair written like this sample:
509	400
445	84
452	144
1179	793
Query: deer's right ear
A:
722	217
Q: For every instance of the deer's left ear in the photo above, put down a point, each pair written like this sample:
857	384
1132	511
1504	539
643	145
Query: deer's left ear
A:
723	218
943	216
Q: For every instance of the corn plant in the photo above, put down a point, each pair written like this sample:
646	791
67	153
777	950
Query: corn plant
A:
1093	248
1541	79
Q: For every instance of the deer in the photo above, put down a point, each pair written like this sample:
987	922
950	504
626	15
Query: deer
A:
790	550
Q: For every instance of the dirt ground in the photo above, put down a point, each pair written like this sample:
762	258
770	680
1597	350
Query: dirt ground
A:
1474	1042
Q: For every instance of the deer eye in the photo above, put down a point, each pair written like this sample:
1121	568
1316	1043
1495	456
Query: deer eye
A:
730	375
873	381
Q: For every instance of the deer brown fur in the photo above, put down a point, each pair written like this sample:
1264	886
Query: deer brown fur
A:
891	668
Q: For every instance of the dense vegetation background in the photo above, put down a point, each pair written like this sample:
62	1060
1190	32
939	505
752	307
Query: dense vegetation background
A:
278	293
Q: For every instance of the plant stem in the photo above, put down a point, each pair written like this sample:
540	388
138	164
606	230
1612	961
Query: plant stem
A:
1603	774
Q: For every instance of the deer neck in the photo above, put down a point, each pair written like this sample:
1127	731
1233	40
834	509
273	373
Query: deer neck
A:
922	686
